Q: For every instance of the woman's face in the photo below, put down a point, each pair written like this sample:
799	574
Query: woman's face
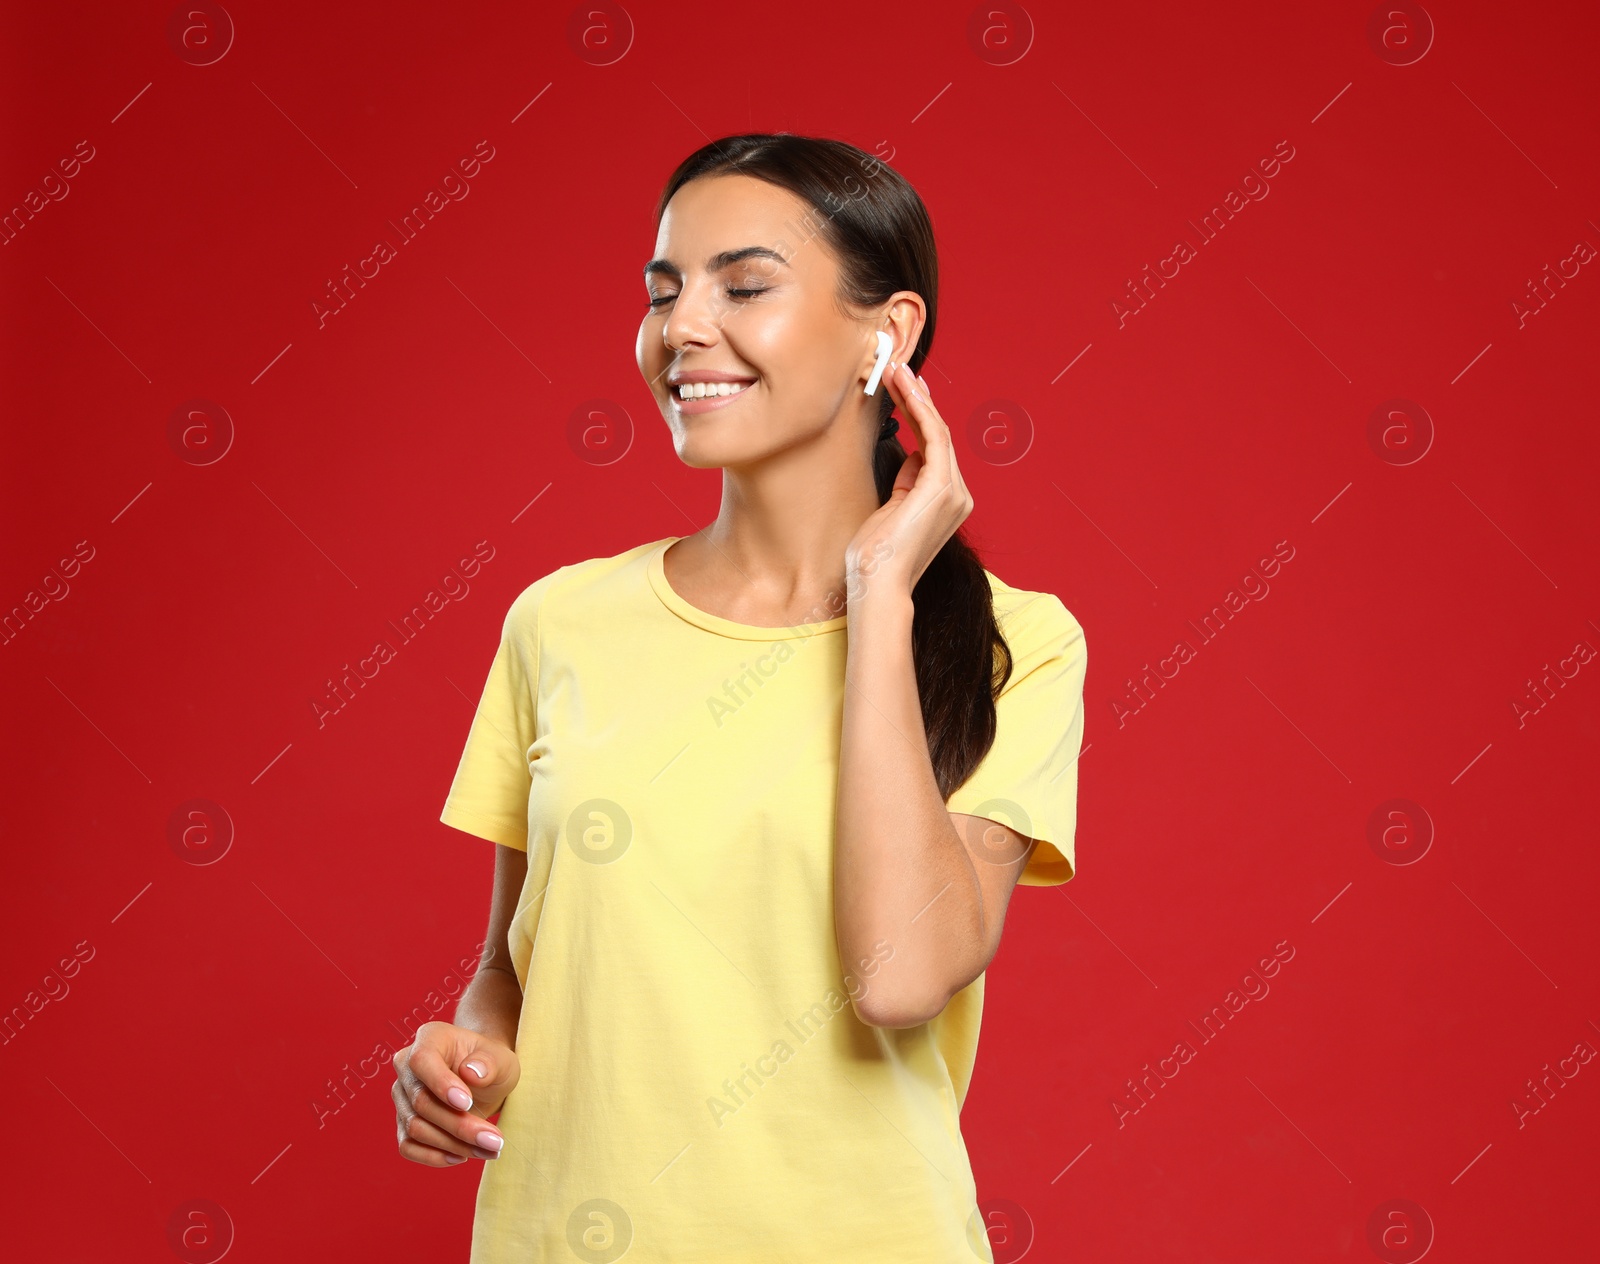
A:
738	291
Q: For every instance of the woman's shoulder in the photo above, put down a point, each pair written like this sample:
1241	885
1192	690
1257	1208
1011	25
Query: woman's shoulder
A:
1039	631
1027	609
575	578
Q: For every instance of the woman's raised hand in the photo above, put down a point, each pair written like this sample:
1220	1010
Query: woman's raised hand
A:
928	503
448	1081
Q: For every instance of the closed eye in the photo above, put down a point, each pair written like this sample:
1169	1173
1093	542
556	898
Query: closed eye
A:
732	293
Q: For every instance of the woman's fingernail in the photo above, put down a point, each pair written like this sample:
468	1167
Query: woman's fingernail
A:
490	1141
479	1152
456	1158
459	1097
477	1070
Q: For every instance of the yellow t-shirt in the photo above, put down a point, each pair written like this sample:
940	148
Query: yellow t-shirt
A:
695	1085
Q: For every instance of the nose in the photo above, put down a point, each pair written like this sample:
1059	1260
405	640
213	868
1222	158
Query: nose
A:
696	317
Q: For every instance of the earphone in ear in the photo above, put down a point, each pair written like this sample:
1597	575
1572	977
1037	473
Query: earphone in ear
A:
885	346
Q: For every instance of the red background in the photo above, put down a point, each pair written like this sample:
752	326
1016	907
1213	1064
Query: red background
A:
1436	569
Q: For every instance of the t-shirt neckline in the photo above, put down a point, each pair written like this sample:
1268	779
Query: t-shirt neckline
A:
656	569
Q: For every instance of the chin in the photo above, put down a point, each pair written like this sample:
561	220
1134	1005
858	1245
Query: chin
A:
694	456
700	454
704	449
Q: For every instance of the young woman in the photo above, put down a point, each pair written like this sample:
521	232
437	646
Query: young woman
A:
760	793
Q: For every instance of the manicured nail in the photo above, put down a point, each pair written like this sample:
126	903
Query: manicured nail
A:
491	1141
477	1070
456	1158
459	1097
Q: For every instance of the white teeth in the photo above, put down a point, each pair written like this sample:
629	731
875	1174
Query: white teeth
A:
698	390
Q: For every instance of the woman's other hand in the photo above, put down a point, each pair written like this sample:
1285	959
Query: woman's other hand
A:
448	1081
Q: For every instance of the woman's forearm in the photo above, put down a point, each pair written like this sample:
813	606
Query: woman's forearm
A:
491	1004
905	892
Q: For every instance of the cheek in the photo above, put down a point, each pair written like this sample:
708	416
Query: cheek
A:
771	341
801	364
649	347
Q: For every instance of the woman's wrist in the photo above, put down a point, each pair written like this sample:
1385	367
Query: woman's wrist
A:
491	1005
880	603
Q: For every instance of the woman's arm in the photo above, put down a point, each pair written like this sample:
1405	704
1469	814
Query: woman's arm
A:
919	888
920	893
492	1002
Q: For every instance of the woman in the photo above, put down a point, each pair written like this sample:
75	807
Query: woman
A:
761	793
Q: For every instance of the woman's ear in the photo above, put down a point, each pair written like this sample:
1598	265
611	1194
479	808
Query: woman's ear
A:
906	317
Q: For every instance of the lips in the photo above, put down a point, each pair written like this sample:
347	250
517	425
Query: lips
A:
707	403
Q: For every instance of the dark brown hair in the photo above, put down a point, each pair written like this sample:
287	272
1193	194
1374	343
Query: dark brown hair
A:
880	232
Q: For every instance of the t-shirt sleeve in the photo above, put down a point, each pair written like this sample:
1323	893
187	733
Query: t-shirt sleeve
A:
1029	779
489	795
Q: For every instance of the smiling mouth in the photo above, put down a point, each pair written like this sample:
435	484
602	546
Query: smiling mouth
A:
708	390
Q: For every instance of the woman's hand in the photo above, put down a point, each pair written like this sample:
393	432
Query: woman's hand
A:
928	503
448	1081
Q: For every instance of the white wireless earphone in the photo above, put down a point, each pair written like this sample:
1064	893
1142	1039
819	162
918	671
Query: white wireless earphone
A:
885	346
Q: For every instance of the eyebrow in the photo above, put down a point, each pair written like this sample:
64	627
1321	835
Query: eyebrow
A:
717	262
